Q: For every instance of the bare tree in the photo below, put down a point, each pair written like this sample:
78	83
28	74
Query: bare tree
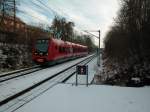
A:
131	32
62	29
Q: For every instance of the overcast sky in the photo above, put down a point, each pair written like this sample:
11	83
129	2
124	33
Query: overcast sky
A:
86	14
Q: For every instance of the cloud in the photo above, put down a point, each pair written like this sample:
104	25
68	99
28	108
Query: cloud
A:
86	14
32	14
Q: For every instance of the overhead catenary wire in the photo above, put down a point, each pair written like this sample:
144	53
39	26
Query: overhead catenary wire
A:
40	5
54	12
32	16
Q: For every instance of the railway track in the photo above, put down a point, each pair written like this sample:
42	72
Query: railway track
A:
54	79
19	73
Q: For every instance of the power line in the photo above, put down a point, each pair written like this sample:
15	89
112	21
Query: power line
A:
91	33
40	7
54	12
35	17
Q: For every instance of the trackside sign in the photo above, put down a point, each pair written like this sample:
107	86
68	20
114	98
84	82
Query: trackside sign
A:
82	70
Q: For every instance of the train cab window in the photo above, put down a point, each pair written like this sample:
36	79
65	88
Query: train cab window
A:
41	45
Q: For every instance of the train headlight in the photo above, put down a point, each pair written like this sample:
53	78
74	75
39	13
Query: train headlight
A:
35	53
46	54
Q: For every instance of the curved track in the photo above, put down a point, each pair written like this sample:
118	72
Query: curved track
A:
18	73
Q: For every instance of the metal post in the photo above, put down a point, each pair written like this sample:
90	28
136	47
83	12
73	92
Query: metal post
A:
76	76
3	10
76	79
14	15
99	50
87	75
3	13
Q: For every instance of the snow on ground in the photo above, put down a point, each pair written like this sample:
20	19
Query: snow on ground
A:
94	98
13	86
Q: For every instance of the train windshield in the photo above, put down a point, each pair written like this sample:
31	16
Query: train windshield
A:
42	45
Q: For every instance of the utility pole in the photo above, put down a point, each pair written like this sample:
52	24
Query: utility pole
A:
14	16
98	52
3	12
3	9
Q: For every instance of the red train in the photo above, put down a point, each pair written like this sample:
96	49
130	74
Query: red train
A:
51	51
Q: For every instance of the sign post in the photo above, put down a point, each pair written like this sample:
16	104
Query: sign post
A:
82	70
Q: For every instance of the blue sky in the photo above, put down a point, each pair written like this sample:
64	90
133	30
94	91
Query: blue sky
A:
86	14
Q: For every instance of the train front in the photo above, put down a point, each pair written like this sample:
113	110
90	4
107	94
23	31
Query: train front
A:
40	51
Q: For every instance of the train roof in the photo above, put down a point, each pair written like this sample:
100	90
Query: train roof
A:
58	41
